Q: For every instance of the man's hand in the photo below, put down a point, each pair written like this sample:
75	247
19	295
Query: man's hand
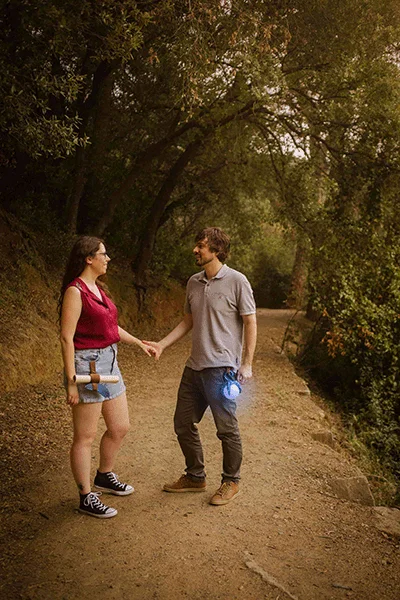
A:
245	372
155	348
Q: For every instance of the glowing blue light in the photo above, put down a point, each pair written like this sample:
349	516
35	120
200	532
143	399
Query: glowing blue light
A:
232	388
231	391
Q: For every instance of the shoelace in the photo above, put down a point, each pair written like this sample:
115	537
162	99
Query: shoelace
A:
224	487
114	479
93	501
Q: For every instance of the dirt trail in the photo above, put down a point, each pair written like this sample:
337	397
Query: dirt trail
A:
286	529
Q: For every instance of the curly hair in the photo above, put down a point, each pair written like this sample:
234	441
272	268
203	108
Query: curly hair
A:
218	241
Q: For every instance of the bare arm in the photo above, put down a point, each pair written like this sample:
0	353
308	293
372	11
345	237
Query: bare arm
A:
71	311
127	338
250	338
176	334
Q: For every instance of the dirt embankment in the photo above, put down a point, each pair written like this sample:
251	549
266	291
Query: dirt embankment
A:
286	536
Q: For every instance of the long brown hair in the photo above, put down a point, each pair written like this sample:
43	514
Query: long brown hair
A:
84	246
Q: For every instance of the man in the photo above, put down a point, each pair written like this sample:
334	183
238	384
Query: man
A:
221	311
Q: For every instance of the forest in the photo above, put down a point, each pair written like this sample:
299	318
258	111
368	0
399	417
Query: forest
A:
277	120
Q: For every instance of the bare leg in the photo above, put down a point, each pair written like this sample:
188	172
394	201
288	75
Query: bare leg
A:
85	418
116	417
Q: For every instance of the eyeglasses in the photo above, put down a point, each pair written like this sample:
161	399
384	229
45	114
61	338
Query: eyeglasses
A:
103	254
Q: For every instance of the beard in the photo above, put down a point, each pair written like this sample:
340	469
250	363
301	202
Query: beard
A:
202	261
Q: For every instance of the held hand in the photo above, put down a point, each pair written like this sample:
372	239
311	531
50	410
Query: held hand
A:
154	348
72	394
147	349
244	373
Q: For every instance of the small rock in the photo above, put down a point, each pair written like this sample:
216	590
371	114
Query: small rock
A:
355	489
304	391
324	437
302	388
388	520
291	348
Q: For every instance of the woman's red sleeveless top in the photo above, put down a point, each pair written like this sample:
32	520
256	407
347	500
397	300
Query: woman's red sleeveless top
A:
97	326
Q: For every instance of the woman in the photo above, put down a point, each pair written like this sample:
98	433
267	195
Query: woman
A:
89	334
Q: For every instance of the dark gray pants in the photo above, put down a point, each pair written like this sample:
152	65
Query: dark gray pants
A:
197	391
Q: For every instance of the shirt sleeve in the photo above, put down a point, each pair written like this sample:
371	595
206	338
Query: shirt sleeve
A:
187	310
246	304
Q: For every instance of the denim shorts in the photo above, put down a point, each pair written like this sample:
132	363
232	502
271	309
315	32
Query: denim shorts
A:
106	364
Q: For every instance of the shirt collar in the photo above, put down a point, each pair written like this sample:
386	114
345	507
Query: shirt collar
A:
223	270
88	292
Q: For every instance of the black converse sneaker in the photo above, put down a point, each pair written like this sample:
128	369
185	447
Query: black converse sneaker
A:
91	505
109	482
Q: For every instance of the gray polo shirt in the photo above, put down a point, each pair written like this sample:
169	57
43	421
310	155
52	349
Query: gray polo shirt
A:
217	306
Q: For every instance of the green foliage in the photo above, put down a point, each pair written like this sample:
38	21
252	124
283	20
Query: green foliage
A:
355	278
30	82
44	46
271	267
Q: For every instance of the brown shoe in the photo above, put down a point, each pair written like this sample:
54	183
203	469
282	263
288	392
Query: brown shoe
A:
227	492
185	484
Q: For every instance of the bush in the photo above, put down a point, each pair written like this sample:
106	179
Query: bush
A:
355	353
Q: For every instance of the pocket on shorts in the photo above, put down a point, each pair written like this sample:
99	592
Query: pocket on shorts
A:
83	360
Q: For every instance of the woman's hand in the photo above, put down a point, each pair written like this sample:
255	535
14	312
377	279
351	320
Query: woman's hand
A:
154	348
147	349
131	339
72	394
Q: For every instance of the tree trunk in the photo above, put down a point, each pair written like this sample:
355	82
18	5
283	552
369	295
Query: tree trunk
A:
145	253
142	159
152	152
78	185
98	102
101	117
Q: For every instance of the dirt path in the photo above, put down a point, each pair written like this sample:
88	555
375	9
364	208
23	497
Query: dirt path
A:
286	525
